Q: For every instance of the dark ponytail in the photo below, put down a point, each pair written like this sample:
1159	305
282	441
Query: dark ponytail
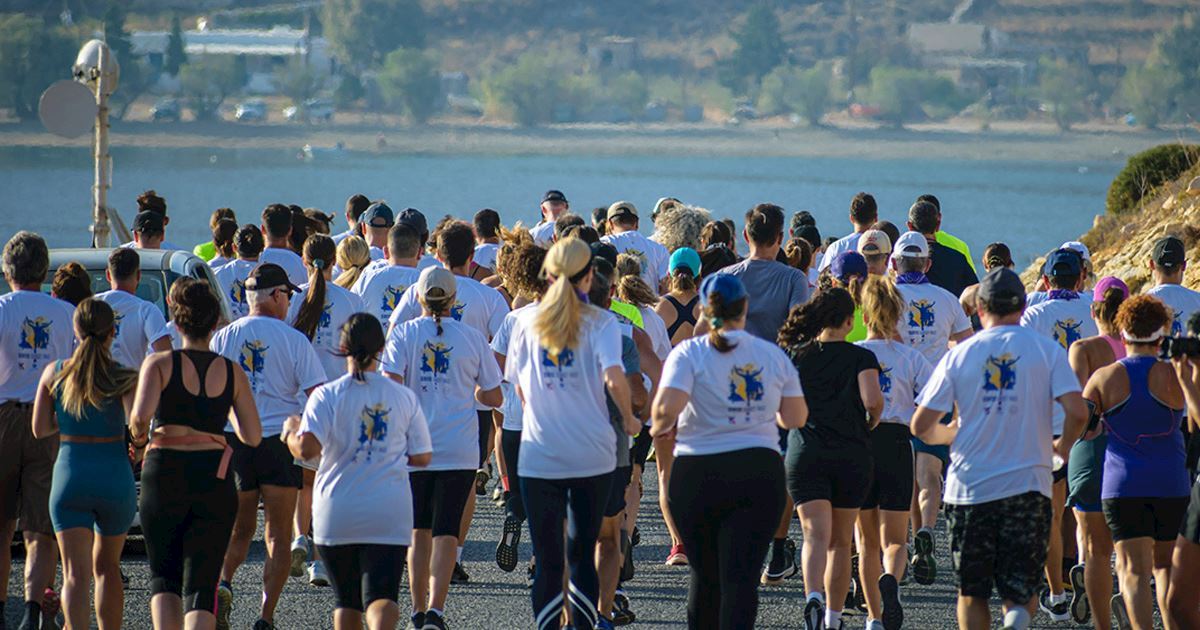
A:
717	312
1105	311
362	340
829	308
319	251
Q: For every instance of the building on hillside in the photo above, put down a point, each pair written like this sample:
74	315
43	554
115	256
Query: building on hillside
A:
264	51
976	57
613	52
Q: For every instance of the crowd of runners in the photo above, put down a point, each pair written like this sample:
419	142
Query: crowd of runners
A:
373	382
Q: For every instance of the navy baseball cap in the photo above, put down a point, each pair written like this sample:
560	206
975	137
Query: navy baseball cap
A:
379	215
269	276
849	264
413	219
554	195
1001	287
1064	262
606	251
726	285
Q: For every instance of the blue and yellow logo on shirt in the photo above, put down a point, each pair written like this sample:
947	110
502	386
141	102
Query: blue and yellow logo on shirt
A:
391	297
456	311
920	314
1066	332
253	358
563	359
1000	373
436	358
745	384
237	292
1176	323
35	333
373	428
885	378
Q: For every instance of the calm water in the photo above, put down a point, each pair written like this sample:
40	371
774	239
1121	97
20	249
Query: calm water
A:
1033	206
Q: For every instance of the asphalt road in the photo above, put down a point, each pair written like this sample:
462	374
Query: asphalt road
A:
498	600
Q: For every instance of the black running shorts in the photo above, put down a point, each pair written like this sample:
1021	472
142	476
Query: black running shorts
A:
268	464
1000	544
1190	528
362	574
840	476
892	486
641	447
439	498
1157	517
616	495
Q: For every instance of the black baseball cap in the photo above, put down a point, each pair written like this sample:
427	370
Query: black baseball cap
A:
1002	287
1169	252
605	251
379	215
148	222
554	195
811	234
413	219
268	276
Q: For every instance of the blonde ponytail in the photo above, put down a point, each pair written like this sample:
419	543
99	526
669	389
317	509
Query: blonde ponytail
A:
560	314
91	377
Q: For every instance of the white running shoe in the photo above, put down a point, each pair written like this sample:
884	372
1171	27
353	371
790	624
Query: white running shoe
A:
300	547
317	574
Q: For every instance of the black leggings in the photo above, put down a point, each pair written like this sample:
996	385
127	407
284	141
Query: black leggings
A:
485	435
580	502
361	574
510	445
187	517
726	507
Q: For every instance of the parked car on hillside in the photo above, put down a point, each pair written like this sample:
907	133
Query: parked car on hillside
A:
253	110
311	111
166	109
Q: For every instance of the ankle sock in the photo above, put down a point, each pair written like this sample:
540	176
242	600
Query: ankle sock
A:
1058	598
817	596
1016	618
458	555
832	618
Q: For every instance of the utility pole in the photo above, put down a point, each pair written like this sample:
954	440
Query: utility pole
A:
97	68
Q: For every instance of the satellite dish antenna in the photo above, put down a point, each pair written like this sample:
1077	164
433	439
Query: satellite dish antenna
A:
68	109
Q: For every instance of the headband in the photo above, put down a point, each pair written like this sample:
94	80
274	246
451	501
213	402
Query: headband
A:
1154	338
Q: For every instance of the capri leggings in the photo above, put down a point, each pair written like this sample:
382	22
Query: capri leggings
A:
362	574
510	443
187	516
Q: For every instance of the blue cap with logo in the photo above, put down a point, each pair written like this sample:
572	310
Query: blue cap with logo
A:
726	285
1064	262
685	257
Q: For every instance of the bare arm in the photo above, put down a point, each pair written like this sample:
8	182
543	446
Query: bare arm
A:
614	379
1080	365
793	413
301	445
926	425
43	406
420	460
961	336
650	364
490	397
871	394
244	415
1073	424
162	344
1188	376
668	404
639	398
145	401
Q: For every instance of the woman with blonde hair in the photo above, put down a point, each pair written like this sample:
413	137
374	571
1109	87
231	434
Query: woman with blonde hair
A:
85	399
562	355
353	256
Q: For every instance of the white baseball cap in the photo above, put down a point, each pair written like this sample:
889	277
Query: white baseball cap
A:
911	245
874	242
1079	247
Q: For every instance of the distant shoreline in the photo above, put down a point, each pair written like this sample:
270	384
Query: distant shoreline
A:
952	140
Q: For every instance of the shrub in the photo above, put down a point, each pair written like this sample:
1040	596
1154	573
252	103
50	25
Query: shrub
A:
526	90
1148	170
902	93
410	81
806	92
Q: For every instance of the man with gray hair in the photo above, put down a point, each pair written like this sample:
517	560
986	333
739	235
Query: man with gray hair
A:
35	331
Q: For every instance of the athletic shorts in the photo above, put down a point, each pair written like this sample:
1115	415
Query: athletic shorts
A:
268	464
1000	544
892	485
1190	528
841	476
640	450
26	470
616	495
1085	474
485	435
1135	517
439	498
361	574
940	451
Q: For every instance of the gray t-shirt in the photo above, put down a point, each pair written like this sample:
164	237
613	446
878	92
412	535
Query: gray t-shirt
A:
774	288
632	365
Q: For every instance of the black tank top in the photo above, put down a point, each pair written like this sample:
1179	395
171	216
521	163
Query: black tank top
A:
177	406
684	314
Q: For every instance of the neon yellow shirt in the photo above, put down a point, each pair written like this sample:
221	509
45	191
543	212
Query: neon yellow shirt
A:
958	245
628	311
859	332
207	251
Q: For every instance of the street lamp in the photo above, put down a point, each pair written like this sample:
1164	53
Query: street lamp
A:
97	68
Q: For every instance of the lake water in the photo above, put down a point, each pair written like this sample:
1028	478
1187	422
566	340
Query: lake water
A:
1032	205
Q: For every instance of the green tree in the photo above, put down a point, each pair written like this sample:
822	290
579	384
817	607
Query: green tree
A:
1062	86
136	76
298	81
904	94
1147	91
803	91
176	55
1177	51
526	90
363	32
205	84
759	48
628	90
349	90
33	56
410	81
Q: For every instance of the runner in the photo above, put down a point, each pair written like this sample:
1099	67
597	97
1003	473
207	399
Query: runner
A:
223	234
376	222
932	318
948	268
1145	485
150	201
679	308
727	486
277	230
1037	297
554	204
442	361
799	256
633	290
366	433
1167	265
995	255
829	462
188	501
319	310
623	234
206	251
147	231
849	271
949	240
353	258
1004	382
355	206
566	223
231	277
35	331
864	212
1092	581
84	399
883	520
380	286
487	239
414	219
72	283
283	368
876	247
561	356
139	325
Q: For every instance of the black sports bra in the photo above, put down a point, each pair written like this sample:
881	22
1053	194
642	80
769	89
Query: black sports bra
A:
684	314
177	406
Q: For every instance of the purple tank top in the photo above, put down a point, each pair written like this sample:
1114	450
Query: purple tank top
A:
1145	456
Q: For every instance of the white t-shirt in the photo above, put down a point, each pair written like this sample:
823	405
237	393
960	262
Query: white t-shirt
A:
848	243
35	331
232	278
381	288
1182	302
291	262
485	255
341	236
1005	381
443	371
377	253
931	315
735	395
217	261
903	372
367	430
164	246
1064	321
139	324
426	261
1037	297
340	304
656	329
176	336
543	234
654	256
566	430
512	402
279	361
476	305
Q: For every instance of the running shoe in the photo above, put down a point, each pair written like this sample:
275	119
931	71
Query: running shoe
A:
875	624
1058	611
677	557
924	567
224	605
506	550
50	607
482	477
299	556
622	612
635	538
893	611
781	566
814	615
627	569
317	574
854	595
1119	612
603	624
417	620
530	573
433	621
263	624
498	496
459	576
1081	609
